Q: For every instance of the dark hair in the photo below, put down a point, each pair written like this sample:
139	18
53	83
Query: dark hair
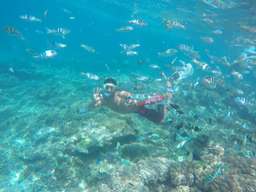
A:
110	80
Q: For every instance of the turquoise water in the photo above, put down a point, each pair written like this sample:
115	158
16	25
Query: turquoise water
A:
53	54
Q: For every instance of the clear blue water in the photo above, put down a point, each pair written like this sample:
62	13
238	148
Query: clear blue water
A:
54	53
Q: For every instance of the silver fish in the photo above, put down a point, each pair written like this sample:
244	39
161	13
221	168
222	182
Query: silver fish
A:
58	31
125	29
167	52
88	48
30	18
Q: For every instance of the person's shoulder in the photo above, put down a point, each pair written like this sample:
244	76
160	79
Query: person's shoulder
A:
124	93
118	91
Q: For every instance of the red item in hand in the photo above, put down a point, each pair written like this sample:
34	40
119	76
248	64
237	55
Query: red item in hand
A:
152	100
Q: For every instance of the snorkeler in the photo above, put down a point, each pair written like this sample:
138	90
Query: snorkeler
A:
123	102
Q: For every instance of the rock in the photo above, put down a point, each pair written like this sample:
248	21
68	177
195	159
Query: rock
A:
135	151
96	137
181	188
241	165
144	176
199	144
154	170
181	174
238	174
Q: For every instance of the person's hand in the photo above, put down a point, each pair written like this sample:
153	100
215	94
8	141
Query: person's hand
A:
97	96
127	98
131	102
123	98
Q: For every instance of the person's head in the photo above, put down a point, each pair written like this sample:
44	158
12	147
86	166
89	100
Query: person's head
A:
110	85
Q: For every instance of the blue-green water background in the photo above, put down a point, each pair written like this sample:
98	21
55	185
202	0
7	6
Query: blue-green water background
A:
96	24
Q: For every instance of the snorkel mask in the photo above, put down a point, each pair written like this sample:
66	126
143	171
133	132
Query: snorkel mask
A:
109	87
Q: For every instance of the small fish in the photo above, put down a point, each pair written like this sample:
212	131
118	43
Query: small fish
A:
218	32
164	75
170	24
142	78
125	29
158	80
181	144
88	48
11	70
138	22
46	54
66	11
237	75
61	45
46	13
107	67
131	53
50	53
208	40
133	46
176	107
174	60
202	65
209	82
208	20
188	50
30	18
12	31
168	52
196	84
181	158
153	66
58	31
219	4
251	50
91	76
185	71
240	100
129	47
250	29
211	3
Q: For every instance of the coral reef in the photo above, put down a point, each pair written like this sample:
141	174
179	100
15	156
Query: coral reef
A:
53	142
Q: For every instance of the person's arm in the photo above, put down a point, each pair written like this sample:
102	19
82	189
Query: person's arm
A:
123	97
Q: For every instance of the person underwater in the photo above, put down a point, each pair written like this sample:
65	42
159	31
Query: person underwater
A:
122	101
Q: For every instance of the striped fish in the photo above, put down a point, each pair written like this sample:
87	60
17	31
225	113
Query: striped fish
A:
12	31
